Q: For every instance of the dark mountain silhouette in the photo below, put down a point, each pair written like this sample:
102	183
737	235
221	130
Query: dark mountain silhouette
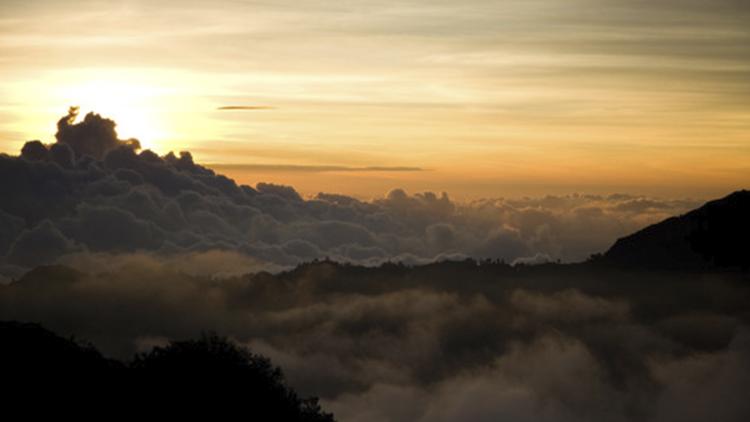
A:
716	235
211	373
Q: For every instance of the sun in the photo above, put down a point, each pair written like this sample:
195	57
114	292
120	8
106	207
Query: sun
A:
155	107
135	108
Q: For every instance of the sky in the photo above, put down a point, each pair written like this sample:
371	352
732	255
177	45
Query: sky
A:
477	98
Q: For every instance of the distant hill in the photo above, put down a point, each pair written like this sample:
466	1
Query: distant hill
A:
716	235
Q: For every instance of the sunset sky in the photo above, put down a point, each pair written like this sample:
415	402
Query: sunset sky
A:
477	98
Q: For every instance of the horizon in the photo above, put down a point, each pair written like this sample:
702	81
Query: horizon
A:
251	174
298	177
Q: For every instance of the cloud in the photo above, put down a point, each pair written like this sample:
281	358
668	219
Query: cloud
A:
567	306
39	245
245	108
712	383
93	136
10	228
101	194
312	168
529	383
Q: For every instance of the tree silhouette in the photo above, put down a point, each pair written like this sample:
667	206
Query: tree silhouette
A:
229	375
211	375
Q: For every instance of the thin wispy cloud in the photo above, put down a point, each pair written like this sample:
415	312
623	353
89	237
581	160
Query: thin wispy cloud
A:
313	168
244	108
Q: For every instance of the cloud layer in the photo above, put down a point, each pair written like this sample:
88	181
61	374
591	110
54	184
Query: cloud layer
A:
91	192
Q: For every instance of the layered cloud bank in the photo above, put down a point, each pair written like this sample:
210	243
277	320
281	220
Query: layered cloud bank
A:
450	341
91	192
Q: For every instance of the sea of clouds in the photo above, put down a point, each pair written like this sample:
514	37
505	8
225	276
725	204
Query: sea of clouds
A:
92	193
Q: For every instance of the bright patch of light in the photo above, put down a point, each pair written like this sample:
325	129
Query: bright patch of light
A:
133	106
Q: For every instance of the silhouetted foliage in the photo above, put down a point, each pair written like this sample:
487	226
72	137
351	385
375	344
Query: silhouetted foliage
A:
211	373
234	376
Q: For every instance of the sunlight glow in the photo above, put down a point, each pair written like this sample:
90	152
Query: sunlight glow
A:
130	105
491	97
148	106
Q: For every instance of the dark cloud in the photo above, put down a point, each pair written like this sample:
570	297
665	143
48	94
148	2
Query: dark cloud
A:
111	229
101	194
170	203
93	136
34	150
42	244
10	228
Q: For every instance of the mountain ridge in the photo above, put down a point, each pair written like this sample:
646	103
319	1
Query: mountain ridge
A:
715	235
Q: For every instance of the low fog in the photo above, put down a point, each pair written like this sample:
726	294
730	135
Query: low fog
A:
450	341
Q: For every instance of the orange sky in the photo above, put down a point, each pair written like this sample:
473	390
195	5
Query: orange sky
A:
478	98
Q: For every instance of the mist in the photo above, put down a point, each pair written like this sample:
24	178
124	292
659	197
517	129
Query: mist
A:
445	341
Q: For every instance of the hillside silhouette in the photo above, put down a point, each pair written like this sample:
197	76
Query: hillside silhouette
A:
714	235
215	373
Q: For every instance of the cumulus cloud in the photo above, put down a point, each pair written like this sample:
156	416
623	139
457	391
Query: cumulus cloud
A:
92	191
39	245
94	136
